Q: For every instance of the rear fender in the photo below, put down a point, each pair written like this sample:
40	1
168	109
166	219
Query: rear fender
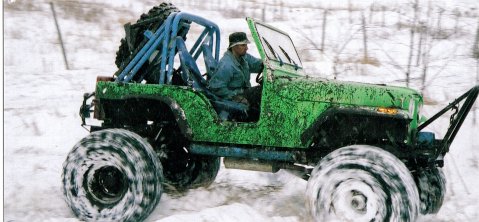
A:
176	110
134	110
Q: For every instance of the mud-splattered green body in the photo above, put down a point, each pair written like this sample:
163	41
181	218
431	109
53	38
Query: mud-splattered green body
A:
288	108
291	104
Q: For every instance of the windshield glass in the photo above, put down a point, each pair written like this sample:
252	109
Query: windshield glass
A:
278	46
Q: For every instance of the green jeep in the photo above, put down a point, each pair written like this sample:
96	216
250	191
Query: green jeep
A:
360	146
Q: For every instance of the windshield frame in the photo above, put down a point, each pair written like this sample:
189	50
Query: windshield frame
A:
279	53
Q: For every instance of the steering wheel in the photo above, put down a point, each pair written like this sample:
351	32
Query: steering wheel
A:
259	77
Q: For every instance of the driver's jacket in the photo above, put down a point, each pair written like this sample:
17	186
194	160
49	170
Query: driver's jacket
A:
233	75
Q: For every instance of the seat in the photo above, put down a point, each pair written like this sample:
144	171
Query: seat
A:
227	110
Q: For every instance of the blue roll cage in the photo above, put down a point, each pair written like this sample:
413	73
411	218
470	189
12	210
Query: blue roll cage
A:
164	40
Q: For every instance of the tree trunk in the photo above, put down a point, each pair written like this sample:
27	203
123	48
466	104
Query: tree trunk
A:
477	82
350	10
365	37
422	29
383	17
411	43
325	16
475	47
441	11
60	39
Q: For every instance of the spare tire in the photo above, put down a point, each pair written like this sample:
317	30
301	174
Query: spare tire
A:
134	39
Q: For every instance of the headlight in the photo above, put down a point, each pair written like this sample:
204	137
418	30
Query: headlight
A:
390	111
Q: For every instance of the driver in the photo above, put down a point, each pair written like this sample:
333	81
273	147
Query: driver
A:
232	78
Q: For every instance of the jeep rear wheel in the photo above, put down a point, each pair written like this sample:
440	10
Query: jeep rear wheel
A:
191	172
183	170
112	175
362	183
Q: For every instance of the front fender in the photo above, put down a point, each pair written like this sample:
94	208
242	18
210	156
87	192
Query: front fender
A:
356	112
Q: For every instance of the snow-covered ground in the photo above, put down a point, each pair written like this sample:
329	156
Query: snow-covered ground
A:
42	98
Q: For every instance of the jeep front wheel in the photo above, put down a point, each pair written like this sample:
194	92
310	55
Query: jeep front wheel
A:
362	183
112	175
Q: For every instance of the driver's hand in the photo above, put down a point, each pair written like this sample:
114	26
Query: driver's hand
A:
240	99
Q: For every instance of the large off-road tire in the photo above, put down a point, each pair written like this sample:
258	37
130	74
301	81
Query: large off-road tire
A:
183	170
112	175
127	49
191	172
362	183
431	184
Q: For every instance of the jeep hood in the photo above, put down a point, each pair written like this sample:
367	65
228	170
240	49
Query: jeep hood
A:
345	93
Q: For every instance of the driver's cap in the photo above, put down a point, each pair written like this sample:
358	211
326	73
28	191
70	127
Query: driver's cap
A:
238	38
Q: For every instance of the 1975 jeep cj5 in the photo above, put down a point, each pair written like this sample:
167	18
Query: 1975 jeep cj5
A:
360	146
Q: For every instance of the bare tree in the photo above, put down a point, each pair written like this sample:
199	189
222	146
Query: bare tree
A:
426	47
477	82
383	17
365	37
425	59
282	9
350	10
60	39
371	12
475	54
475	47
323	35
263	14
422	29
457	15
411	42
399	23
441	11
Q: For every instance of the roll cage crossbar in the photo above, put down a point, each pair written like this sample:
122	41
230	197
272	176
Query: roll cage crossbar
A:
163	41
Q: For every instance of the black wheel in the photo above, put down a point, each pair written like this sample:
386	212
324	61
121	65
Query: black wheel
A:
112	175
431	184
362	183
131	44
182	170
192	171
